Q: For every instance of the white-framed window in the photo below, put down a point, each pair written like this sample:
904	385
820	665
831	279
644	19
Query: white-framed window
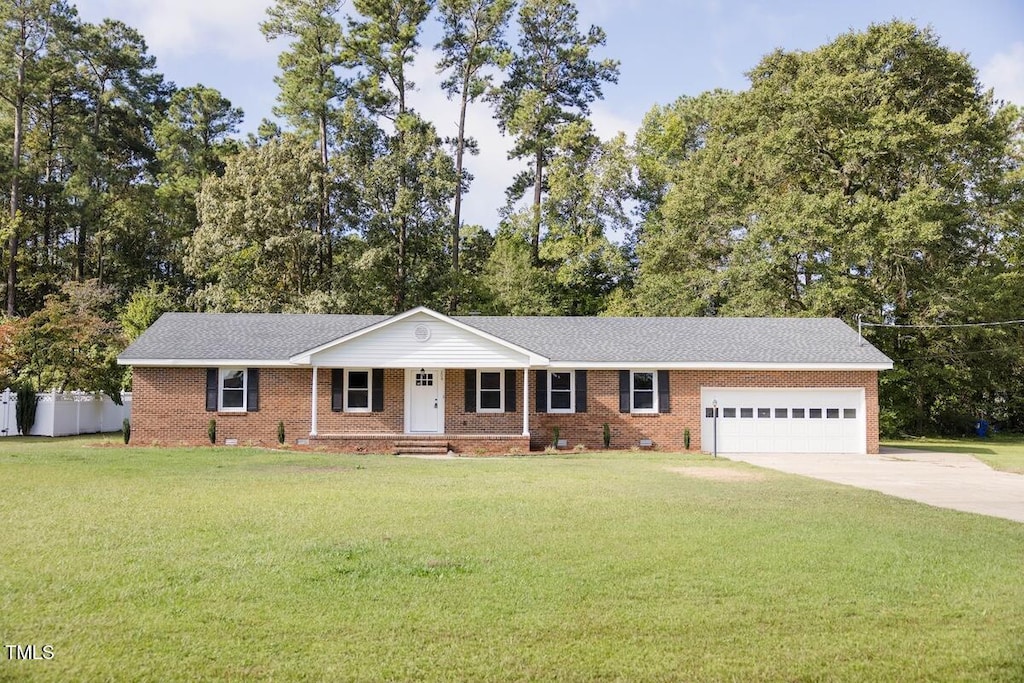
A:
231	393
643	391
490	388
358	389
561	394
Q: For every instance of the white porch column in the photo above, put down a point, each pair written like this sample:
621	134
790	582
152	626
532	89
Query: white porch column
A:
526	401
312	420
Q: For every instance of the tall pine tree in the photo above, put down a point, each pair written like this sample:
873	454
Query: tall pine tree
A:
552	81
311	91
473	40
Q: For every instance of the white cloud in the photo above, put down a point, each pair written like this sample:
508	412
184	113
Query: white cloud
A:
1004	73
178	28
609	124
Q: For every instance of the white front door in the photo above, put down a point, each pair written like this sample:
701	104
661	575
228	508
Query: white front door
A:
424	400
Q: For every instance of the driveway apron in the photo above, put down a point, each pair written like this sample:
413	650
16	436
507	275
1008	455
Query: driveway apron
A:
947	480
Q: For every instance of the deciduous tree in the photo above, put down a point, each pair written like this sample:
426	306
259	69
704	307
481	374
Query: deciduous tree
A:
870	176
256	244
70	344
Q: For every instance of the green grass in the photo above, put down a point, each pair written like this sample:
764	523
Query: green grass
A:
1001	451
179	564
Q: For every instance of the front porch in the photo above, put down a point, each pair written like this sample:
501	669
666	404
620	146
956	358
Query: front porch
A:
463	444
420	381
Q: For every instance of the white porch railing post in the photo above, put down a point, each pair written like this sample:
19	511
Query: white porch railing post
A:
312	421
526	401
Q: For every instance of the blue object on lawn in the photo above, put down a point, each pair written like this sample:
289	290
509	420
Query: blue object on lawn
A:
981	428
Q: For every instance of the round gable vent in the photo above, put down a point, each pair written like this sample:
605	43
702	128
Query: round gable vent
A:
421	333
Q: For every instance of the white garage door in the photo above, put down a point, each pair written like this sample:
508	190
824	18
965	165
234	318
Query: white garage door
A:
784	420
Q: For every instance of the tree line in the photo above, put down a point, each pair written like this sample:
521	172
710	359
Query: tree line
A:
870	177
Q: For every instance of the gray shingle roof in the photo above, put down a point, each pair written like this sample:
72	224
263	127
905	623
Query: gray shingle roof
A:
277	337
712	340
241	336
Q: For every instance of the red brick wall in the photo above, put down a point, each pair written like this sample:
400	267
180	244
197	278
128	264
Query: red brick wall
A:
329	422
169	407
666	429
458	421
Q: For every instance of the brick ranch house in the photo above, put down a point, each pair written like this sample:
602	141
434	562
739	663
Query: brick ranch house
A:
422	379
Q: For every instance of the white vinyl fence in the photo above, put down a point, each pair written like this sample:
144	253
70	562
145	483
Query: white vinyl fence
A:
67	414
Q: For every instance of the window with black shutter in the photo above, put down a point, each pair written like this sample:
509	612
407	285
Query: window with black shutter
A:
377	390
233	390
252	390
491	391
510	391
337	390
357	391
560	391
470	390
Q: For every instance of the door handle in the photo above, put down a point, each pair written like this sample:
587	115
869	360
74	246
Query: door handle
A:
435	404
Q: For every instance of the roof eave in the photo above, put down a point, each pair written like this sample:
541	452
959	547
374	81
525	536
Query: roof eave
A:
204	363
535	362
718	365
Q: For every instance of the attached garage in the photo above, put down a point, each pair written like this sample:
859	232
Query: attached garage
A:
784	420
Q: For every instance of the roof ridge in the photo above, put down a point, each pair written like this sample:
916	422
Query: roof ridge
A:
620	340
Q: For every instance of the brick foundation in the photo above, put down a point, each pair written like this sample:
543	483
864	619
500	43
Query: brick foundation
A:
464	444
168	408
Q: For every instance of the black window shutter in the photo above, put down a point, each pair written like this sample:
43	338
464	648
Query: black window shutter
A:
664	402
378	390
212	379
581	391
470	383
337	390
624	401
252	390
542	391
510	391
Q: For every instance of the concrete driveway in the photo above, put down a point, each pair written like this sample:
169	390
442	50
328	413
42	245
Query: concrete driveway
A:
947	480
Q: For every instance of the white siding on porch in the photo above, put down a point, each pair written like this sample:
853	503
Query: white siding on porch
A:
398	346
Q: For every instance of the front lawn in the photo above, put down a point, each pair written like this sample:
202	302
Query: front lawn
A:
189	564
1001	451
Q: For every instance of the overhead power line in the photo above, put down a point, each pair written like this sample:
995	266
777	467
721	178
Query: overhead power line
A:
959	354
861	323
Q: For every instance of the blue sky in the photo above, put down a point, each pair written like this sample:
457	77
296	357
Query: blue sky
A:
666	49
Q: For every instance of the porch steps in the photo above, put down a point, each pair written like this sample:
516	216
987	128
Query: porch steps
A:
420	447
